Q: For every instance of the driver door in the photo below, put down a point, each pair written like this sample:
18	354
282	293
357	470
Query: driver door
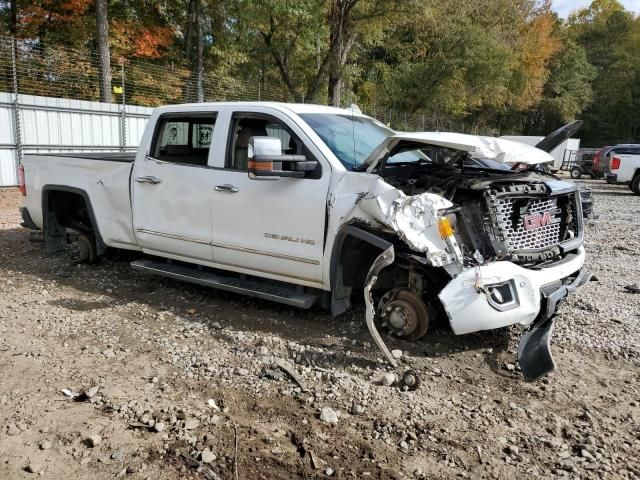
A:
273	226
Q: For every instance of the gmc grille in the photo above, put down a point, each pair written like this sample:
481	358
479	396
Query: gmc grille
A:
532	228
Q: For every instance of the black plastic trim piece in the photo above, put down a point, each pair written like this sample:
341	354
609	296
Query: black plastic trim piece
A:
534	348
27	221
340	295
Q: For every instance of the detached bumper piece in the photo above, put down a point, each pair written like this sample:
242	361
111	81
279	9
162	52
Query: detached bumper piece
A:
534	349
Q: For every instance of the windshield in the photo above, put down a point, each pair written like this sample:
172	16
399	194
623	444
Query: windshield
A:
352	138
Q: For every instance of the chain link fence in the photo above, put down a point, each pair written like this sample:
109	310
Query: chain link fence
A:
36	80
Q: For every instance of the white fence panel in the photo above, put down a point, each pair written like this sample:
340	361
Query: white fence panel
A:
63	125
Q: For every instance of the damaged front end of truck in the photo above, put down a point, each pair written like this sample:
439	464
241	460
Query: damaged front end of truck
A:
455	237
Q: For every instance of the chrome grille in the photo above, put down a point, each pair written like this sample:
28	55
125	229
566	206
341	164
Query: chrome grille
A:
511	216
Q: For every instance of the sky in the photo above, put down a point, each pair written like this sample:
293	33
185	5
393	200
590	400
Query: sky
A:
565	7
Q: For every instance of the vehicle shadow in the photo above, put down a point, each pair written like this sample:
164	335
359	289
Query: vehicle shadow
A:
331	339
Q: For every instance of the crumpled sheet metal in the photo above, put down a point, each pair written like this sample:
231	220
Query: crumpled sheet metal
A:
385	259
414	218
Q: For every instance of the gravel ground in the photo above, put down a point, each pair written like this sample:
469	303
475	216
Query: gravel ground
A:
177	381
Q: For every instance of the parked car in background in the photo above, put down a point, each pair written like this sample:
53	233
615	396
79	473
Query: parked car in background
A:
608	152
624	167
600	162
584	163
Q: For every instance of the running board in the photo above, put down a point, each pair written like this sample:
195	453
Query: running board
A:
255	288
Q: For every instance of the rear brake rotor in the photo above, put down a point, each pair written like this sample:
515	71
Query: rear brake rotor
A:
404	314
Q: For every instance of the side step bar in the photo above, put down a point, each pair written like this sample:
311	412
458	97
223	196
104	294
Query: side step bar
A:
276	292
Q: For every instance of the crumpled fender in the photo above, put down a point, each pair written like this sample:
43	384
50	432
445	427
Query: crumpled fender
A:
413	218
373	201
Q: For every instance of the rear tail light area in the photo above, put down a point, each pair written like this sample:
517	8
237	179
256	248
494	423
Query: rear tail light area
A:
615	163
21	181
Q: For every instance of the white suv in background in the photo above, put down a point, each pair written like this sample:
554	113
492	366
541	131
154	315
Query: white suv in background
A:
624	167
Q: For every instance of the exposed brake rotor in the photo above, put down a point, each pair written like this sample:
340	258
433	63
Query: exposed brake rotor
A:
404	314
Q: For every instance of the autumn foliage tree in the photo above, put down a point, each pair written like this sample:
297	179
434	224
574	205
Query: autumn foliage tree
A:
499	65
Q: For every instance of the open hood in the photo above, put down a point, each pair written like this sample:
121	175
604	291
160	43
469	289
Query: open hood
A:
558	136
498	149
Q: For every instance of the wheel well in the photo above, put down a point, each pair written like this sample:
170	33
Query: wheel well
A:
353	253
66	208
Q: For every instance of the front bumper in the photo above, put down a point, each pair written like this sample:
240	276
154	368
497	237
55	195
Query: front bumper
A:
533	300
468	305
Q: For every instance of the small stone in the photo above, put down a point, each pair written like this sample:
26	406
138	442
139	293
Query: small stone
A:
328	415
159	426
396	354
242	372
585	454
208	456
12	430
45	445
277	450
92	391
191	424
93	440
510	367
388	379
328	472
33	467
262	350
512	450
117	455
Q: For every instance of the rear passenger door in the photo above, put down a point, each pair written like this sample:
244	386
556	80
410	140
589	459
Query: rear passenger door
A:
172	188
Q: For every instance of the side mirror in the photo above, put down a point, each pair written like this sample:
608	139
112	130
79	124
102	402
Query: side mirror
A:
266	160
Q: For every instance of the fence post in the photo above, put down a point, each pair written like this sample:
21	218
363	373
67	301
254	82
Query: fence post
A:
123	113
16	107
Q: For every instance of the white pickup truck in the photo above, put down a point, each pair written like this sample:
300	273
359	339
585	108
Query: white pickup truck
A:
307	204
624	167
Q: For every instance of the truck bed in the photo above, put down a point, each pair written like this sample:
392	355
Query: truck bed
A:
102	178
125	157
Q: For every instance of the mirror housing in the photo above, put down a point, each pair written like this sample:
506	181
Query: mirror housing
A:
267	161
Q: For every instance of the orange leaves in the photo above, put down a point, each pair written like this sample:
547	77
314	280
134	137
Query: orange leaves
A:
151	42
131	40
539	43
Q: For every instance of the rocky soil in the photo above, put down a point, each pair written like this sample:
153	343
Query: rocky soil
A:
105	373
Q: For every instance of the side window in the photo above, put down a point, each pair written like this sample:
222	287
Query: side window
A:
184	139
245	126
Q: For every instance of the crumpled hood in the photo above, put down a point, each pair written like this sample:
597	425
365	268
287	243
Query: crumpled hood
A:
498	149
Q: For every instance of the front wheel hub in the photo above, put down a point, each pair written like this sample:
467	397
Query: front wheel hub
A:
404	314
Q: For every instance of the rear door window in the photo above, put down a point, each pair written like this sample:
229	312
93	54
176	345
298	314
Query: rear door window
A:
185	139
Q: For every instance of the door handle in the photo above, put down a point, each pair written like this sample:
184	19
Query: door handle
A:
226	188
150	179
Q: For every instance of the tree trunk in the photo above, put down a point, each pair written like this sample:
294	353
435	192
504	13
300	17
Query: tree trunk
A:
194	52
102	23
341	42
13	18
198	66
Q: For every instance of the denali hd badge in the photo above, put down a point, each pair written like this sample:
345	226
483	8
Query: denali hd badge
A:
537	220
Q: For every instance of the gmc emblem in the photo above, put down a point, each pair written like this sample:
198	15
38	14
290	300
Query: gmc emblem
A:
537	220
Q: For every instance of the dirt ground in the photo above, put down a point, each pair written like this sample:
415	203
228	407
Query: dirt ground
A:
186	383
